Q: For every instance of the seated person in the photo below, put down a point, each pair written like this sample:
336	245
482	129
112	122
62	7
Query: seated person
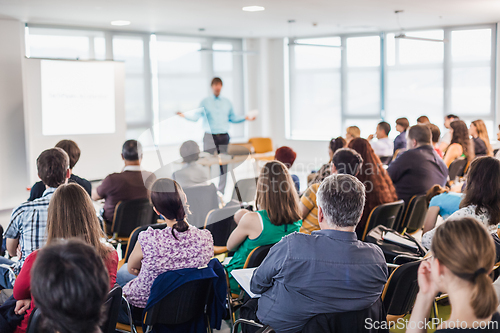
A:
71	148
446	139
70	286
344	161
287	156
441	202
324	171
419	168
384	146
423	120
352	132
126	185
435	136
326	272
461	145
71	214
402	125
28	221
379	187
479	134
278	216
192	173
463	255
481	198
157	251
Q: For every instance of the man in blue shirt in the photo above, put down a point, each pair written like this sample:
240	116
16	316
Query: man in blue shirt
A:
218	112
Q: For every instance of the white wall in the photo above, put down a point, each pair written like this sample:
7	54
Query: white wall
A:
13	179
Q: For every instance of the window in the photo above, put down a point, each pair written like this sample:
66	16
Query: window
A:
315	88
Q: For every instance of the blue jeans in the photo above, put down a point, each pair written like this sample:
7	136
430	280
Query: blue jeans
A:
123	276
7	277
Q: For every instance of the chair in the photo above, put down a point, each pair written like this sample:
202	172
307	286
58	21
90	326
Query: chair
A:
385	159
262	328
133	239
257	256
184	304
457	168
220	222
201	200
34	322
245	190
352	321
130	215
261	145
401	289
397	153
414	216
387	215
112	306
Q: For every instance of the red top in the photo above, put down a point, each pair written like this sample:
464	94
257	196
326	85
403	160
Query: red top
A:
22	286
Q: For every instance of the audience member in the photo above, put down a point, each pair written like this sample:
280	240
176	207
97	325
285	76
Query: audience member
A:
384	146
352	132
287	156
461	145
479	133
73	151
481	198
192	173
26	231
435	136
441	202
326	272
446	139
70	214
379	187
423	120
344	161
277	216
419	168
324	171
463	255
126	185
69	287
157	251
402	125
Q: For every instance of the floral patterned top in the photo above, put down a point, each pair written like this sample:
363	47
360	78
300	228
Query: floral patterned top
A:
162	253
469	211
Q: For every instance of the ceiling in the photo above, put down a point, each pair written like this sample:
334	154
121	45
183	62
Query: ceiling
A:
225	17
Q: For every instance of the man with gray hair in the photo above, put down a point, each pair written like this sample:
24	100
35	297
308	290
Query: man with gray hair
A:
326	272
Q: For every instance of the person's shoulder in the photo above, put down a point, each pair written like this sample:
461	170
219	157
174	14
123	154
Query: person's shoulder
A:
372	248
250	219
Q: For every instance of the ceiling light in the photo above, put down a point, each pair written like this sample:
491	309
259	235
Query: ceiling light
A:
253	8
403	36
120	22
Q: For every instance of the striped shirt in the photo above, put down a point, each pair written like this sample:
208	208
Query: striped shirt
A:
28	223
308	199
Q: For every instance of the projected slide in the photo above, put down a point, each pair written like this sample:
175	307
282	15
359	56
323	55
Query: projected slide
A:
77	97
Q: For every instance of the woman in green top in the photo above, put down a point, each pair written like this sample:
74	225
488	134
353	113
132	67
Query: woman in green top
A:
278	216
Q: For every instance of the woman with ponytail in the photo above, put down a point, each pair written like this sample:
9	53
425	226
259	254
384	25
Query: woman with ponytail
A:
463	255
157	251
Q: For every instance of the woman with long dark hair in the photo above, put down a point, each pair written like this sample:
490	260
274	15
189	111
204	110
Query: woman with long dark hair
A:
157	251
461	145
481	198
378	184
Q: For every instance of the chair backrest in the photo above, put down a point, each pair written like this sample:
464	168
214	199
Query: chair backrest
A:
184	304
131	214
352	321
220	222
414	216
385	159
245	190
257	256
261	145
387	215
135	234
201	200
34	322
457	168
112	306
401	289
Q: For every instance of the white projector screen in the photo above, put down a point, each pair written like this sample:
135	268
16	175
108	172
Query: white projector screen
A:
83	101
75	95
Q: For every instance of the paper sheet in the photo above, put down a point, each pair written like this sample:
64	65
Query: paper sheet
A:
243	277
